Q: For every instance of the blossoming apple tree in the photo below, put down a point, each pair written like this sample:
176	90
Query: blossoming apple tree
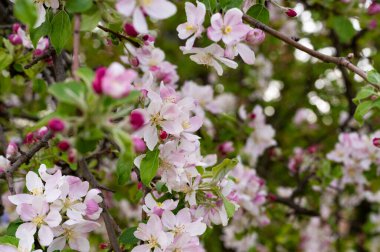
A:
210	125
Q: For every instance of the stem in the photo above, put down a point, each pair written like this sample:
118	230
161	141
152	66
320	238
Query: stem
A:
76	45
37	59
339	61
120	36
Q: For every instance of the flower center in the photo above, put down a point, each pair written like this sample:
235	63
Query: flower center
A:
190	27
145	2
153	242
39	220
37	191
186	125
156	119
179	229
69	233
227	30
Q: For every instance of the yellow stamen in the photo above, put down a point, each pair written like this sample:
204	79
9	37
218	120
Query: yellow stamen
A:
227	30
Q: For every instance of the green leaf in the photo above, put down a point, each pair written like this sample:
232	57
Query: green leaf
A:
364	93
90	19
25	11
361	110
343	28
78	6
228	4
86	74
72	93
5	59
124	167
149	166
12	227
127	237
259	12
132	98
9	240
219	171
39	32
210	4
373	77
60	30
230	207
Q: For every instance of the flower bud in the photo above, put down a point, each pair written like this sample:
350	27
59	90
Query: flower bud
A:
103	245
72	156
134	61
15	27
42	132
163	135
56	125
12	149
255	37
130	30
376	142
139	185
15	39
374	8
63	145
136	119
139	145
272	197
226	147
29	138
97	82
291	13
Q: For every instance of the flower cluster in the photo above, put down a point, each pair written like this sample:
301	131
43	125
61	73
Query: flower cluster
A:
60	208
170	232
250	194
228	28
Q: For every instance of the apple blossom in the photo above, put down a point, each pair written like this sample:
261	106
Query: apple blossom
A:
229	28
156	9
193	28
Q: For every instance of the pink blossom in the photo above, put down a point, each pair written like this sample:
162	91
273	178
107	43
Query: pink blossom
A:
193	28
152	207
117	81
156	9
182	223
374	8
228	28
12	149
92	201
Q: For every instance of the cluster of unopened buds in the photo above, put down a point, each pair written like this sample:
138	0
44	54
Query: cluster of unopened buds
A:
60	209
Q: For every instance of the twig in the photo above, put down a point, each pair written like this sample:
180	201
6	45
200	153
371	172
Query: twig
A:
59	69
37	59
108	220
325	58
302	185
120	36
76	44
297	209
3	141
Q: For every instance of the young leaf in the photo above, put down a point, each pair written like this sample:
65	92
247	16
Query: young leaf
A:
343	27
60	30
364	93
72	93
9	240
26	12
374	77
219	171
149	166
127	237
259	12
124	167
75	6
361	110
230	207
228	4
39	32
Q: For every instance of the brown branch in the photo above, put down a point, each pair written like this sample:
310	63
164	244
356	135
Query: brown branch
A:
37	59
108	220
3	141
59	69
297	208
339	61
76	44
120	36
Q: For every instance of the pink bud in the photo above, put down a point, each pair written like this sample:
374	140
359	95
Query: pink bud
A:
38	52
15	27
29	138
63	145
139	185
376	142
97	82
139	145
91	207
136	119
272	197
56	125
226	147
163	135
255	37
372	24
291	13
148	39
103	245
12	149
130	30
42	132
374	8
72	156
252	116
15	39
134	61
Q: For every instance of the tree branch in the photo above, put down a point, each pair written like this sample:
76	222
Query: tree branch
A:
37	59
297	209
120	36
59	69
339	61
108	220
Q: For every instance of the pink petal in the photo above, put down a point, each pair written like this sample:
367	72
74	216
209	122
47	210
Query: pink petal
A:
45	235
